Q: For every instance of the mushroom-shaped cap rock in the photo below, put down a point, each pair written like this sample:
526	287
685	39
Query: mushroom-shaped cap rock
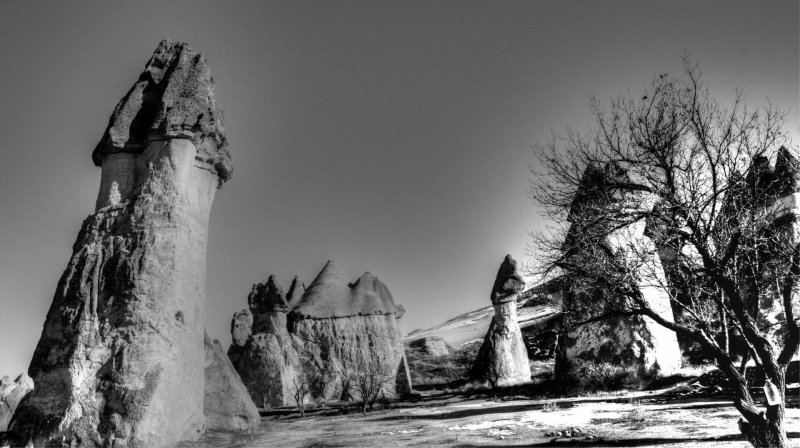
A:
173	98
508	282
267	297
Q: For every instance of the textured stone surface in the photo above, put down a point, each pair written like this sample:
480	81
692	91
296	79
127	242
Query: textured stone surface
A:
432	346
121	353
780	187
635	345
503	355
336	329
267	361
332	295
341	328
11	393
227	404
173	98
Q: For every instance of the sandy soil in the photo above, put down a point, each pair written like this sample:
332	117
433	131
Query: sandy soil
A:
639	419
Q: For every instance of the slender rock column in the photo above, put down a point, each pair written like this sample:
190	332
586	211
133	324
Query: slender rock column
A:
502	358
120	361
268	362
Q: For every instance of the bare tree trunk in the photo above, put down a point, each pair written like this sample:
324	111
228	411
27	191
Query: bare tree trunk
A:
724	318
770	435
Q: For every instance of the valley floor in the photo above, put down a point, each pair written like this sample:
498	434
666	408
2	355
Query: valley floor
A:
634	419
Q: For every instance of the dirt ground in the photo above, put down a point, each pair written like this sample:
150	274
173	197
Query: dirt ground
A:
633	419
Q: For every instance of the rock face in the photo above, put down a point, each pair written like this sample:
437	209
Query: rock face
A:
121	355
774	194
227	404
241	329
342	328
11	393
334	330
636	346
267	362
432	346
503	359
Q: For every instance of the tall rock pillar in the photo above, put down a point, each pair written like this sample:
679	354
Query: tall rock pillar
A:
121	355
503	359
267	362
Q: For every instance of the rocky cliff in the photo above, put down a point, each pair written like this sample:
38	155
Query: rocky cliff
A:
335	330
121	355
503	359
11	394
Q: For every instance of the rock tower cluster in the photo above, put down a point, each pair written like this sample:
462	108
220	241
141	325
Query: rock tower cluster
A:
121	359
503	359
323	337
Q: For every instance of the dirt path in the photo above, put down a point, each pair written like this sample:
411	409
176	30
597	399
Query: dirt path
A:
457	421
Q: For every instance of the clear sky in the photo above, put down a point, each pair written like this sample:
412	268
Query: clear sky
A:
393	137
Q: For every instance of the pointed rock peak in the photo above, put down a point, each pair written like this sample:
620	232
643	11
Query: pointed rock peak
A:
365	282
273	287
330	268
330	274
508	282
331	294
267	297
173	98
296	292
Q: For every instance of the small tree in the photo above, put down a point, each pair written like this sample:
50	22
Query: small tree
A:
301	389
371	380
694	172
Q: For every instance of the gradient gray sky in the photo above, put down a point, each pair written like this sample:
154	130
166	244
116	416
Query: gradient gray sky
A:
393	137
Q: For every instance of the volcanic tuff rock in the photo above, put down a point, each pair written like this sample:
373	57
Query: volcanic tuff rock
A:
11	394
121	355
636	344
241	329
296	292
503	359
432	346
334	330
227	404
267	361
342	328
774	193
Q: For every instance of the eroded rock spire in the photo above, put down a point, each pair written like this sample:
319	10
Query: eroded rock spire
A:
502	359
121	357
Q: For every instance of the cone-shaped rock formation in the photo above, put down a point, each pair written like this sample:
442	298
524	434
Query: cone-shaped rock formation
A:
502	359
606	217
227	404
296	292
121	356
334	330
342	328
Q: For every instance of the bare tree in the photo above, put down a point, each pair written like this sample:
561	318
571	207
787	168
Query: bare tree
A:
371	380
300	391
694	171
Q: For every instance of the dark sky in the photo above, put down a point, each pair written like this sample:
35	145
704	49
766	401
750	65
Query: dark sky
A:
393	137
